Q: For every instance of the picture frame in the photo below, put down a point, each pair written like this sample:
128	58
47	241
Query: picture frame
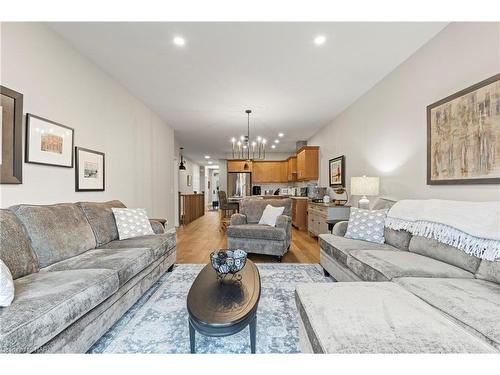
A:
90	170
189	180
336	171
11	136
48	142
463	130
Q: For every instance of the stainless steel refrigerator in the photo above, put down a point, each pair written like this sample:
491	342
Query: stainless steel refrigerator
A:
239	184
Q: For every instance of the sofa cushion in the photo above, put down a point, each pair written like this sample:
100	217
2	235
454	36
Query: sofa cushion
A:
366	225
15	249
433	249
360	317
101	219
132	222
45	303
159	244
339	247
378	265
126	262
56	232
474	303
253	208
397	238
489	271
256	231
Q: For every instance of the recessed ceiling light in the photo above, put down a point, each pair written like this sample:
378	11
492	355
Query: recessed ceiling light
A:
210	162
179	41
207	156
320	40
273	146
276	141
281	135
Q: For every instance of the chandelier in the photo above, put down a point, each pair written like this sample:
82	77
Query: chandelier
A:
244	149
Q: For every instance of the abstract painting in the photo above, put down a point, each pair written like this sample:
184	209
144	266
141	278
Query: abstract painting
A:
463	136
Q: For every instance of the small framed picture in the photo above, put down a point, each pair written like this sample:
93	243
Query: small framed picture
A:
89	171
337	171
189	180
48	143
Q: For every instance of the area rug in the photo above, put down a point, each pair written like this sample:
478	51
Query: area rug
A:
158	322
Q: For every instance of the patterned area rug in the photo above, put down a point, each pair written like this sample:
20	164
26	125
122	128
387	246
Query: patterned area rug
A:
158	322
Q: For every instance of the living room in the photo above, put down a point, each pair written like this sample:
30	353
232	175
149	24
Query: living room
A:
232	188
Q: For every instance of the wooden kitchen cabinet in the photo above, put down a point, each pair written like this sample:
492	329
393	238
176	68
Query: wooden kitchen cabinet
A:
291	169
284	171
299	213
308	163
267	171
239	166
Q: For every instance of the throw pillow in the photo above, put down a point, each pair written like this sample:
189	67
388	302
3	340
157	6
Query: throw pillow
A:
6	285
366	225
270	215
132	222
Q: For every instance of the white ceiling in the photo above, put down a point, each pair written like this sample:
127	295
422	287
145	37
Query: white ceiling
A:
275	69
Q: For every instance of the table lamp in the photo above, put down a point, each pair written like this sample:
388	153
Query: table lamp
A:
364	186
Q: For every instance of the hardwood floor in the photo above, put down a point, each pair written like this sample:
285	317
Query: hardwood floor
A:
199	238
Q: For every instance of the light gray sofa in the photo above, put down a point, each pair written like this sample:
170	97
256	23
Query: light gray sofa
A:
73	278
245	233
411	294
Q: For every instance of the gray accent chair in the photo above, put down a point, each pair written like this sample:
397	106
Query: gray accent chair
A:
73	278
245	233
411	294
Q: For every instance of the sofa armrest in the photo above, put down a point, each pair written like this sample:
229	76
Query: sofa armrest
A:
285	222
158	225
238	219
340	228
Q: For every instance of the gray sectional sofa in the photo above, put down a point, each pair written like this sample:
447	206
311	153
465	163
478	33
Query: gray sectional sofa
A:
411	294
73	278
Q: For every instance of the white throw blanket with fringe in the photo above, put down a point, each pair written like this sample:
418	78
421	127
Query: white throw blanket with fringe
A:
473	227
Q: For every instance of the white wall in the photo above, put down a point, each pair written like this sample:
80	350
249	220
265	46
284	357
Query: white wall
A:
60	84
384	132
193	170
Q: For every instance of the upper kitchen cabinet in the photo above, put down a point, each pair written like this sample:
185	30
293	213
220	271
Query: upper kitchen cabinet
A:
308	163
239	166
291	169
268	171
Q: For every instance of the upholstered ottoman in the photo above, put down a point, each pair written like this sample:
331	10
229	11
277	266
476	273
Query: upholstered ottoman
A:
378	317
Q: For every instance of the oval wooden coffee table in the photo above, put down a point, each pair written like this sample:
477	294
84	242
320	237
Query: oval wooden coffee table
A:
224	308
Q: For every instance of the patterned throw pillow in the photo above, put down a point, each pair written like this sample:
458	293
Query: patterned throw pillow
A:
132	222
366	225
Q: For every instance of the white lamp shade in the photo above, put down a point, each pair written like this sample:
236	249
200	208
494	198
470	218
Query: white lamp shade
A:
364	185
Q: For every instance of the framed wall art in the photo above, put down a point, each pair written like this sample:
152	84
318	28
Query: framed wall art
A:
11	136
337	171
48	142
463	136
89	171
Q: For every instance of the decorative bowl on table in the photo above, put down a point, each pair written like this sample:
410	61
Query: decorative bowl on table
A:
228	261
